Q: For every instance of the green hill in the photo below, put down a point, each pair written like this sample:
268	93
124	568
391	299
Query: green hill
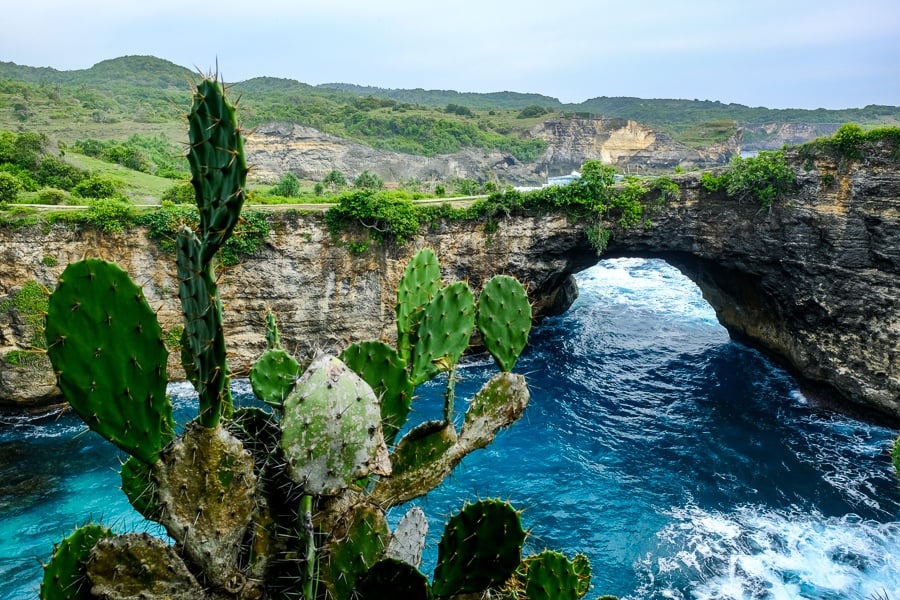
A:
143	94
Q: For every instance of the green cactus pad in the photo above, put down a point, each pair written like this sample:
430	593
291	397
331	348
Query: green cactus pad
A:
421	281
273	376
443	333
218	167
499	403
390	579
331	426
504	319
273	338
64	575
480	549
204	339
138	485
356	550
551	576
383	369
107	349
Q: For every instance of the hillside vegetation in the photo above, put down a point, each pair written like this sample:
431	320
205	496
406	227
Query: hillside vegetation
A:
117	98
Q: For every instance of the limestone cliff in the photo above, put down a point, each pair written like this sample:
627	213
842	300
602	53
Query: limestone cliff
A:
278	148
815	280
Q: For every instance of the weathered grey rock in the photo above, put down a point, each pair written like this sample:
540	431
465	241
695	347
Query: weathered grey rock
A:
278	148
815	280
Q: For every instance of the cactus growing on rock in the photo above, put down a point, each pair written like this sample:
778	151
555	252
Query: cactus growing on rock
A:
270	504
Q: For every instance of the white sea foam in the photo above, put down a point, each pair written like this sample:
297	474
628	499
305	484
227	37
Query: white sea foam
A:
756	552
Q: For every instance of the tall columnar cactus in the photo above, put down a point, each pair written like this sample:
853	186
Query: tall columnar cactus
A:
219	175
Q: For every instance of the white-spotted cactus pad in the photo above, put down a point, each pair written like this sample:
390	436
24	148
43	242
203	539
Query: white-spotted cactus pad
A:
408	540
331	429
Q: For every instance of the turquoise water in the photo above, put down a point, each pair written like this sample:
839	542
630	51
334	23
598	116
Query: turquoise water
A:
685	465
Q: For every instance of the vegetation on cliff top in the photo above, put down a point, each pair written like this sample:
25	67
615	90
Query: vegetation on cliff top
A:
141	94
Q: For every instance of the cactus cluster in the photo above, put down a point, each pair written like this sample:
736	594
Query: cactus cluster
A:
290	501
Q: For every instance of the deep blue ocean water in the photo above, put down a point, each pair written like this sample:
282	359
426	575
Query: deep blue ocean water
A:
684	464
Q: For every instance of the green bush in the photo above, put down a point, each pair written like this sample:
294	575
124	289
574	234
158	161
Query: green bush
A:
98	186
110	214
385	216
848	139
288	186
55	172
50	195
10	187
179	193
368	181
764	177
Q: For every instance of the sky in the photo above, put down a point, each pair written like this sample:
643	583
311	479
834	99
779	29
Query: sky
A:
772	53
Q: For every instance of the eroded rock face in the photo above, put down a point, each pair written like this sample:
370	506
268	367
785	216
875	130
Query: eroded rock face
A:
278	148
815	280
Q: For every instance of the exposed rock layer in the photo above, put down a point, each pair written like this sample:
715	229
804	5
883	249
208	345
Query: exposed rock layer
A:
814	280
278	148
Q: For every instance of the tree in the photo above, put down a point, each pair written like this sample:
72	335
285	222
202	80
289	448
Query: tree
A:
10	187
288	186
335	180
368	180
29	149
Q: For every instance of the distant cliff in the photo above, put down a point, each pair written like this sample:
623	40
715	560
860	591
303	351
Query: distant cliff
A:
814	281
278	148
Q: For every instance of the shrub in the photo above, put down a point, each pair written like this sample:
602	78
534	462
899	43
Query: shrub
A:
288	186
386	218
109	214
764	177
57	173
179	193
10	187
368	181
98	186
50	195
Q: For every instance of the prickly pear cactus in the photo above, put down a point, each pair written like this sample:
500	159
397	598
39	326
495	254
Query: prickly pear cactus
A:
444	331
480	549
408	538
390	579
107	349
207	515
331	426
138	485
421	281
355	548
218	168
551	576
137	565
204	338
65	577
383	369
273	375
504	319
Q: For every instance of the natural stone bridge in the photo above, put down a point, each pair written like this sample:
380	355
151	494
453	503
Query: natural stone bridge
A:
814	281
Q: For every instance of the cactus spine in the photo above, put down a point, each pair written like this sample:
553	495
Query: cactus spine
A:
120	392
261	503
219	175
